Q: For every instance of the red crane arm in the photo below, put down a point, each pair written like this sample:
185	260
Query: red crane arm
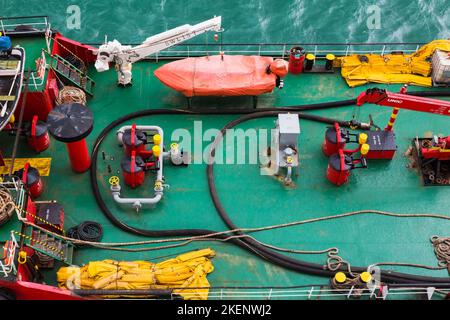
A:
404	101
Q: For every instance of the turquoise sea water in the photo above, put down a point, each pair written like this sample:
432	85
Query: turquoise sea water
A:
248	20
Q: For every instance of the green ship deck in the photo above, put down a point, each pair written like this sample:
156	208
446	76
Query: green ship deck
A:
251	199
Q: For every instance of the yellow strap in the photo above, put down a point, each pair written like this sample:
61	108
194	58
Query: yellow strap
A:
7	98
5	65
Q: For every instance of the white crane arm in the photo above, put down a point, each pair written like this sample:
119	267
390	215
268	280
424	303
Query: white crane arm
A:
124	55
169	38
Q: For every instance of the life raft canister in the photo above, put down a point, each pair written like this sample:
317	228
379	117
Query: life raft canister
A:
296	60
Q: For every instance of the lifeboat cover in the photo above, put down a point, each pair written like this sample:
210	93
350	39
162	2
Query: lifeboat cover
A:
234	75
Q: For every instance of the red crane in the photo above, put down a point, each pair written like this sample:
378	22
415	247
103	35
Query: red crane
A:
404	101
383	143
437	148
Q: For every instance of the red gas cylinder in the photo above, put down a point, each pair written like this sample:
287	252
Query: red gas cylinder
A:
339	166
134	140
296	60
335	139
133	170
32	179
38	138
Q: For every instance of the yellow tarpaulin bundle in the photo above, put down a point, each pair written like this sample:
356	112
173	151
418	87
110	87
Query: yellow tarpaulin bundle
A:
41	164
392	68
187	272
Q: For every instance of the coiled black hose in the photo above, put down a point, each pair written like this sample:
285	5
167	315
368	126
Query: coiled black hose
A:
270	255
86	231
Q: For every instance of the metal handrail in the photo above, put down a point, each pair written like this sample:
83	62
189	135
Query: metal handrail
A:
281	44
312	292
24	17
5	28
9	267
34	74
279	49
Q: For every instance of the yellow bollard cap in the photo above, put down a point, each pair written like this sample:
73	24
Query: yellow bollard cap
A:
365	149
340	277
310	56
156	151
365	277
330	56
157	139
362	138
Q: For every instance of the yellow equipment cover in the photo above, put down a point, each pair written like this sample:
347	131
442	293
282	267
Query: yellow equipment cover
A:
413	68
186	272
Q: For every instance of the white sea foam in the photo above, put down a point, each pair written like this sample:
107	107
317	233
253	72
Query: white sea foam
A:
251	20
296	11
443	23
356	25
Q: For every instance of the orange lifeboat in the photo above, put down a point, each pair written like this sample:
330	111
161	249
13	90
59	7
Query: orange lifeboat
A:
232	75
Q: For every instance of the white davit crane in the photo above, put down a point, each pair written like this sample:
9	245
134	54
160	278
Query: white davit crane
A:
123	56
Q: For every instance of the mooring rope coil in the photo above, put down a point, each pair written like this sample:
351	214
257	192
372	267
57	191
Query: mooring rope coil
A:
442	250
7	206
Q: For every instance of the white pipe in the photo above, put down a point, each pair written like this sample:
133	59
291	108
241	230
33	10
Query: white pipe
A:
153	200
138	202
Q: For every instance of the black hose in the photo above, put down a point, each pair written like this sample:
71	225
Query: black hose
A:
86	231
430	93
280	259
247	244
143	113
160	293
90	231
